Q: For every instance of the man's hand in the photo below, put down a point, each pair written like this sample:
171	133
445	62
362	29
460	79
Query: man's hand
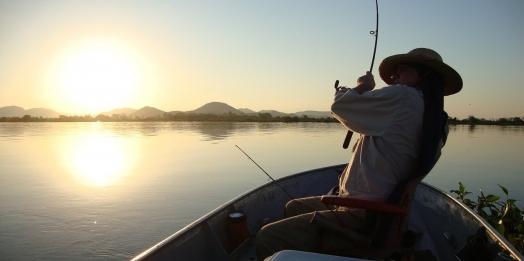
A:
341	90
365	83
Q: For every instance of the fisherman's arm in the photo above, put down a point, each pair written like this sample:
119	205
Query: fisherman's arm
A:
365	111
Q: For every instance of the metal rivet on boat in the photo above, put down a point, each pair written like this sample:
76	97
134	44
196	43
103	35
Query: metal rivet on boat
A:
236	215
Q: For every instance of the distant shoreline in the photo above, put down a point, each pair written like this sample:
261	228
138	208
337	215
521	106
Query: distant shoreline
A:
179	117
231	117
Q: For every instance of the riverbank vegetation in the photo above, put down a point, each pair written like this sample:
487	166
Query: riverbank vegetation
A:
203	117
504	216
231	117
472	120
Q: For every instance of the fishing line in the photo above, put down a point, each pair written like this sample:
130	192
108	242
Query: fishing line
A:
345	145
276	183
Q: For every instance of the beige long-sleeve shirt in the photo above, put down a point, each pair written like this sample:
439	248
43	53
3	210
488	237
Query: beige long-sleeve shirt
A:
389	121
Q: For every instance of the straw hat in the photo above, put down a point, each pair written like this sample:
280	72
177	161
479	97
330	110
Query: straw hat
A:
427	57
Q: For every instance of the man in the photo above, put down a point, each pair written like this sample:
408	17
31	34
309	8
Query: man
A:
392	146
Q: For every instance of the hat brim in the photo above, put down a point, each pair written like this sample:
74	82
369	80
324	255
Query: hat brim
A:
452	80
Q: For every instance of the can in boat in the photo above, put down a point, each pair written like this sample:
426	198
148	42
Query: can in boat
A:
236	229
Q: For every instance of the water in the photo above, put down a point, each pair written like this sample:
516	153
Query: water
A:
107	191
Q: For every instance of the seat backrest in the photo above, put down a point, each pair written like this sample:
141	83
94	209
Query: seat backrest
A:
434	135
391	228
399	223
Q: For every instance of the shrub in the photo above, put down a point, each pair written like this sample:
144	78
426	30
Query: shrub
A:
504	216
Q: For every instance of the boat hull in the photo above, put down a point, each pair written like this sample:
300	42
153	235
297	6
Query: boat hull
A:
444	222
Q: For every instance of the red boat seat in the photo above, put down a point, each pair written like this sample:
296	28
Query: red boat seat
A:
389	227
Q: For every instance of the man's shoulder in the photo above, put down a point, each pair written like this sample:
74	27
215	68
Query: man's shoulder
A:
398	90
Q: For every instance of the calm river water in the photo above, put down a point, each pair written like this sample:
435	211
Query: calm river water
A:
108	191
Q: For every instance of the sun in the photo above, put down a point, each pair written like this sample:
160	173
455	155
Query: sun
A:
98	76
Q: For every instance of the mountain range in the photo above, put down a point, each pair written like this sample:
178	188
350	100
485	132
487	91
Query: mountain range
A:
15	111
211	108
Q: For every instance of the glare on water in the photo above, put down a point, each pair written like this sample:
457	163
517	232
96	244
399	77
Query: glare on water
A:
97	160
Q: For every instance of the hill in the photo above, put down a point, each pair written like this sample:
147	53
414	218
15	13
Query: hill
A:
12	111
42	112
216	108
314	114
15	111
276	113
126	111
247	111
209	108
148	112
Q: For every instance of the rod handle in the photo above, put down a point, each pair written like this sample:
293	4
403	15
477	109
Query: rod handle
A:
345	145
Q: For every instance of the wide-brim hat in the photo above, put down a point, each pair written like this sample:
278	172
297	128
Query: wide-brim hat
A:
423	56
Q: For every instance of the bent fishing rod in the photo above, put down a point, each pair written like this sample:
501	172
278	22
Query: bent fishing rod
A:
274	181
345	145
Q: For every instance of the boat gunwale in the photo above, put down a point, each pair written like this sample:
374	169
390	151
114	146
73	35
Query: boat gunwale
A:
494	233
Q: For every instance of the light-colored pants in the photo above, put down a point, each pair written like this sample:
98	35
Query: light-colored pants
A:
296	232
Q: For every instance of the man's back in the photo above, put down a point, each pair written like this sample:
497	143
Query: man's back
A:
390	123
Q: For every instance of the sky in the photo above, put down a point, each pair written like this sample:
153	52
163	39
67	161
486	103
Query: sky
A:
87	57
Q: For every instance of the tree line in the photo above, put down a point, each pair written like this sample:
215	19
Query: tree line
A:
472	120
198	117
232	117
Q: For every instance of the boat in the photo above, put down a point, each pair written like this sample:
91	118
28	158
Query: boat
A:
444	223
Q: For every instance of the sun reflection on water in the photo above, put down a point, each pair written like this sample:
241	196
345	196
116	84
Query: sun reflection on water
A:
98	160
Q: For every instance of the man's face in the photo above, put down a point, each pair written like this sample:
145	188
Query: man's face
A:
406	75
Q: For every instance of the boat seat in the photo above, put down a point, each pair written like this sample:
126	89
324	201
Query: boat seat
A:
389	228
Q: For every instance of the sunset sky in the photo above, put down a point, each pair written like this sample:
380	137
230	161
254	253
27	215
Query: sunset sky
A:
86	57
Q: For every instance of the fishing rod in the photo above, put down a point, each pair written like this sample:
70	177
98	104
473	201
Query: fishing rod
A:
374	33
345	145
317	219
276	183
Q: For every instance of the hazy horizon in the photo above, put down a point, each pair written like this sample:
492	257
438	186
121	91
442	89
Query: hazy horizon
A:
128	108
263	110
89	57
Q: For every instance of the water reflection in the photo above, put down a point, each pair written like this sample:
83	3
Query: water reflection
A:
499	129
13	130
471	129
160	184
150	129
98	160
213	131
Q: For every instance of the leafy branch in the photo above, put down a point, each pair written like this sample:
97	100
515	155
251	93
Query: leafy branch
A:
504	216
